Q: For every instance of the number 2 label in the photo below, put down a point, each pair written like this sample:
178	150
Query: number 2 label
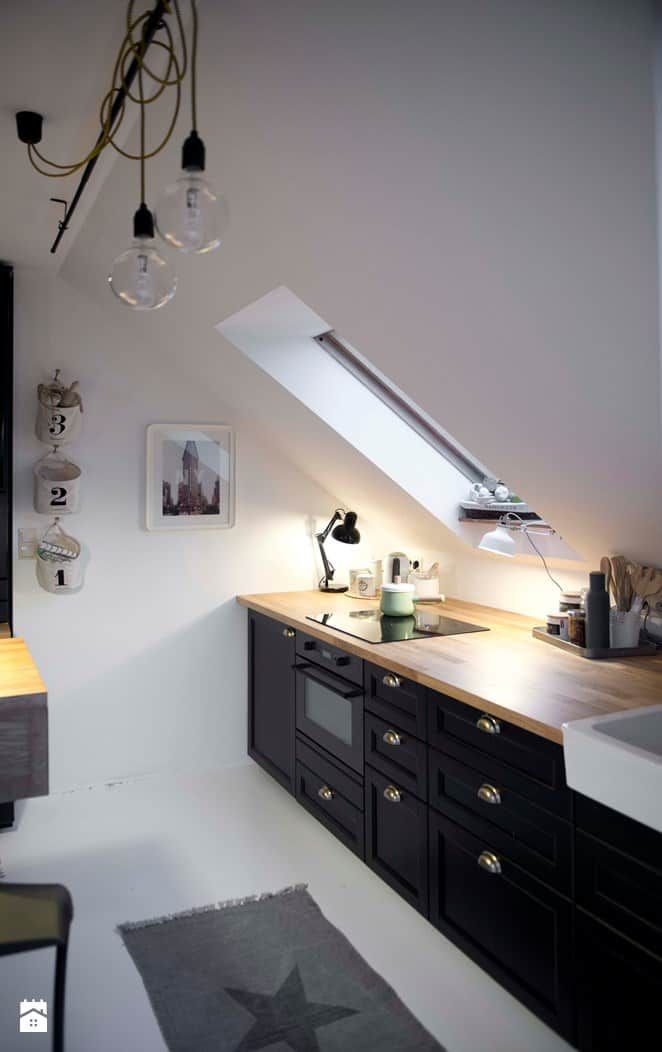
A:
59	497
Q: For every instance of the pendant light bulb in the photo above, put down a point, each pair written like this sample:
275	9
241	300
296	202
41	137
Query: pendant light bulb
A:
141	277
190	215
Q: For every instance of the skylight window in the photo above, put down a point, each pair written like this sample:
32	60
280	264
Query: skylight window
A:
302	352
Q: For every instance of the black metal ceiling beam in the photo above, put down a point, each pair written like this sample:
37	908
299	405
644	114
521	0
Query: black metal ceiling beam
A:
150	28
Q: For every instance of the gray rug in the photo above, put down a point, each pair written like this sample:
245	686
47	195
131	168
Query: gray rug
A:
268	972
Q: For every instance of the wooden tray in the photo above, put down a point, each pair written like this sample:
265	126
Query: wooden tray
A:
595	654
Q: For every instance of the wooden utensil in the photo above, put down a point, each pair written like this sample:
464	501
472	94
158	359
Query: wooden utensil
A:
605	568
622	582
646	580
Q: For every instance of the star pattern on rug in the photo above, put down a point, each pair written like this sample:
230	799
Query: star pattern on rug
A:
286	1016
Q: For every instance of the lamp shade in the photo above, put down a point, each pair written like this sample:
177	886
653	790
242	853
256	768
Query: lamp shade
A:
498	541
346	530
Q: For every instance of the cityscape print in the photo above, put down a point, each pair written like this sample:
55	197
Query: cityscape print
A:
191	482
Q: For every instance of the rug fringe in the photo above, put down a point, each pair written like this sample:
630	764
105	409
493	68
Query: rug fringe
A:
210	908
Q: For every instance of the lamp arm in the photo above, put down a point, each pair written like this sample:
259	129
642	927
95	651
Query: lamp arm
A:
338	514
329	569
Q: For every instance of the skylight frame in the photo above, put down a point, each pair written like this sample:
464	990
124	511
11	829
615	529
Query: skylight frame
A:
404	407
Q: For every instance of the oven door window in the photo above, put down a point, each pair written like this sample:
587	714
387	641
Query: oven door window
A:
328	710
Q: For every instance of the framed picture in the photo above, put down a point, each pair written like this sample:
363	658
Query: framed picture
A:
190	477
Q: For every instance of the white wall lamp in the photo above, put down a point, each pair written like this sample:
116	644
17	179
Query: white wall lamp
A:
500	541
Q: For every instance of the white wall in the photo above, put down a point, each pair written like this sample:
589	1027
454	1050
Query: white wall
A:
467	193
145	668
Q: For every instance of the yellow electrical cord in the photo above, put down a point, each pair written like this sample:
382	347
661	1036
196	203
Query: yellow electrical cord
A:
130	50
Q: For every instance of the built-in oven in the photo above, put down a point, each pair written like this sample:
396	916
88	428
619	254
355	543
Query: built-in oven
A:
329	711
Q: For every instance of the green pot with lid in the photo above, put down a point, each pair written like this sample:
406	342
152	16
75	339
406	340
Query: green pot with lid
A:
397	600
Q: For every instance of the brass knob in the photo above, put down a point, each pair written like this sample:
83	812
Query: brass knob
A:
325	793
392	738
488	724
489	794
289	633
392	794
488	861
390	680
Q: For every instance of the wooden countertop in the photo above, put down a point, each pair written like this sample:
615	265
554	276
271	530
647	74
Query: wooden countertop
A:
18	674
505	672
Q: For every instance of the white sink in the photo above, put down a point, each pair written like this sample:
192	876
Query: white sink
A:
617	760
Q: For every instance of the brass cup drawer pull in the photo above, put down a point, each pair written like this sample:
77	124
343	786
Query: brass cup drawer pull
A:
390	680
393	795
488	725
392	738
325	793
489	794
488	861
289	633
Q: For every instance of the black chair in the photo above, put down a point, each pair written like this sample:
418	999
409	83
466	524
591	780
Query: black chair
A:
33	916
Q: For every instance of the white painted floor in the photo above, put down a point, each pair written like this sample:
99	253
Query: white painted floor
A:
161	844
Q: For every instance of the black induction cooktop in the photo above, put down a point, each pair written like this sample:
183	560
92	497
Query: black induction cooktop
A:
375	627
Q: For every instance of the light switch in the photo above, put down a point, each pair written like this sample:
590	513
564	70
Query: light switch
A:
27	543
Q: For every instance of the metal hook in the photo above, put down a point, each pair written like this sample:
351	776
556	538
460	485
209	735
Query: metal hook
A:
62	225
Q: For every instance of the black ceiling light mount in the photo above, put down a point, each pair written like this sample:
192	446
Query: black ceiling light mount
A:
29	127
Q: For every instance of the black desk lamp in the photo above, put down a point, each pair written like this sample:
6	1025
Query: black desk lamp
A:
346	532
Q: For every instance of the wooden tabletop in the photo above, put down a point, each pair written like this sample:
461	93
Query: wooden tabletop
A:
504	672
18	674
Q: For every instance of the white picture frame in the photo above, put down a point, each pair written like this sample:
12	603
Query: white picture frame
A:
190	477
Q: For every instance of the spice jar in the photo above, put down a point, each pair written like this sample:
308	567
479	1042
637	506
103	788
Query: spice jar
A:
570	601
554	624
577	627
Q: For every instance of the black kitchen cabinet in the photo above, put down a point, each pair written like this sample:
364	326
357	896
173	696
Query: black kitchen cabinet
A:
534	838
334	797
470	820
271	658
619	990
396	840
6	401
533	765
515	927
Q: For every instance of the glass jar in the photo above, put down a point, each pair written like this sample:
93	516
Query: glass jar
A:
570	601
577	627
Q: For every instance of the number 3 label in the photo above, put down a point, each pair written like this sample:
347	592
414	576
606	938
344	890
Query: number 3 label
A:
58	425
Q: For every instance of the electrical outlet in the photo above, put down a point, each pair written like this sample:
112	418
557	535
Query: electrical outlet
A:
27	543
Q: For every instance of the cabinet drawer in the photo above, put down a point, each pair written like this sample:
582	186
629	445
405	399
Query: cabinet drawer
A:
516	928
396	699
349	783
397	838
331	797
536	764
538	841
619	890
336	660
619	988
619	831
397	754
